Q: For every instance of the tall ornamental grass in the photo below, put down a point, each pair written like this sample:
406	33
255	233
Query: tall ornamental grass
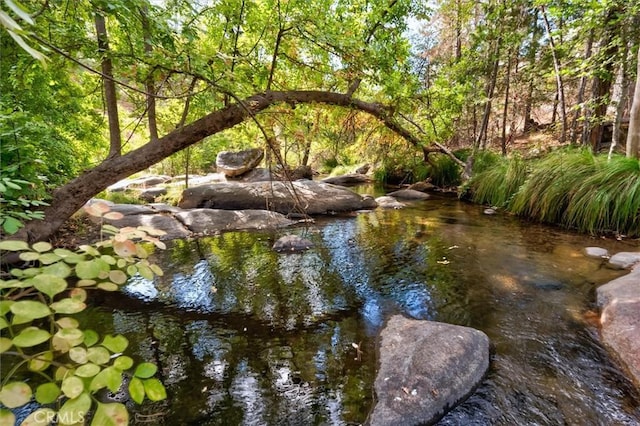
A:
572	188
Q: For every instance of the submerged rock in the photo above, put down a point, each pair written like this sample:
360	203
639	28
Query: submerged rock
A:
426	369
348	179
624	260
409	194
292	244
387	202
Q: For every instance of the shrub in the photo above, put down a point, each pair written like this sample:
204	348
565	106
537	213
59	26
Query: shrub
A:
47	355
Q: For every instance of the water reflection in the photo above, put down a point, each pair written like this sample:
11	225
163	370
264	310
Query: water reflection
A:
244	335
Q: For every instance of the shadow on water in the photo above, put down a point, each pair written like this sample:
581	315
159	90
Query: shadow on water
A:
244	335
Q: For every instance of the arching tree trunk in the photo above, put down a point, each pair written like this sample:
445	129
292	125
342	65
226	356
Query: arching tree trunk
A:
71	197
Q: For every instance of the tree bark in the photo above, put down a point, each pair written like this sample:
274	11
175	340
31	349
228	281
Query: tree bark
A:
149	83
559	83
505	110
622	101
111	99
71	197
491	86
633	137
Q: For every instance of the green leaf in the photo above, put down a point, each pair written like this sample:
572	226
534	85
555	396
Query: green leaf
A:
31	336
75	410
98	355
72	386
115	344
90	338
47	393
15	394
68	306
154	389
108	286
40	417
68	322
89	269
78	354
42	246
5	344
110	378
73	336
59	269
41	362
88	370
30	309
49	258
5	306
22	14
7	417
9	224
29	256
145	370
118	277
13	245
123	363
136	390
113	414
49	284
3	323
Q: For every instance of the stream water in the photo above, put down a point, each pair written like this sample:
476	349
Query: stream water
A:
244	335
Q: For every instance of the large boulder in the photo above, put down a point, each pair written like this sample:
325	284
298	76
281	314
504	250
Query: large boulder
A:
426	369
236	163
619	302
408	194
210	221
139	183
348	180
310	197
624	260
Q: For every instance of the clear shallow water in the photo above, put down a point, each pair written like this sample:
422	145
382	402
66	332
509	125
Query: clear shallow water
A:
244	335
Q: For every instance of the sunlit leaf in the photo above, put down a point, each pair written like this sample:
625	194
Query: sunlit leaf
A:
113	216
30	309
59	269
108	286
3	323
5	344
136	390
110	378
145	271
124	248
145	370
123	363
42	246
15	394
156	270
40	417
47	393
115	344
5	306
78	354
49	284
72	335
12	245
85	283
88	370
41	362
112	414
75	410
89	269
68	306
31	336
67	322
154	389
29	256
72	386
98	355
118	277
78	294
7	417
90	337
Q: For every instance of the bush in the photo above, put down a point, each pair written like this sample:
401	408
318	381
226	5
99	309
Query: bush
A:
46	353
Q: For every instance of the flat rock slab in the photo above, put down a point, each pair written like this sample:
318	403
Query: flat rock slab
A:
409	194
292	244
236	163
426	369
312	197
348	179
619	302
211	221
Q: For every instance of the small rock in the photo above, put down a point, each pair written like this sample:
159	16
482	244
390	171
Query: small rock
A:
236	163
409	194
489	211
624	260
387	202
292	244
598	252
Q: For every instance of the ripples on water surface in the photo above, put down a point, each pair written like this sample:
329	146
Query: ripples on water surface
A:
244	335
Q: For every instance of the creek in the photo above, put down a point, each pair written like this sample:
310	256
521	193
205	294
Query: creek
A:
244	335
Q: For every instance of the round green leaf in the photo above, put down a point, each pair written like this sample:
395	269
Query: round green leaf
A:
42	246
47	393
30	309
40	417
113	414
68	306
89	269
79	294
88	370
49	258
29	256
154	389
11	245
7	417
19	319
110	378
41	362
31	336
118	277
136	390
78	354
108	286
58	269
49	284
98	355
123	363
115	344
72	335
85	283
68	322
5	344
5	306
145	370
75	410
90	338
72	386
15	394
145	271
109	259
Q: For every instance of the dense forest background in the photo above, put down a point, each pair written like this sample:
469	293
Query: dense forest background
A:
127	86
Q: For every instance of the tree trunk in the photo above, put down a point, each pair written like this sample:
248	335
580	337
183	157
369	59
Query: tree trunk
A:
149	83
622	101
110	96
491	86
580	107
633	137
71	197
559	83
505	110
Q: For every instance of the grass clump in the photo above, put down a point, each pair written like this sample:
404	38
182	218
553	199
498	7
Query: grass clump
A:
497	183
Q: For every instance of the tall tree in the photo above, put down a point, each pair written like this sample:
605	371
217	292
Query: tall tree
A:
633	137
